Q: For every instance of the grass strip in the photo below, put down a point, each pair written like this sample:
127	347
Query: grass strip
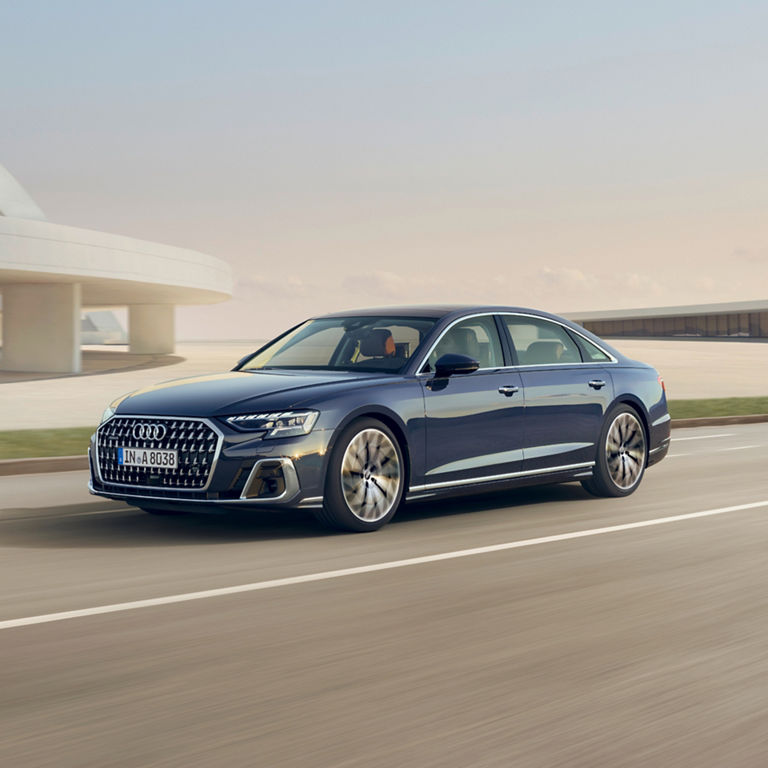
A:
717	406
33	443
73	441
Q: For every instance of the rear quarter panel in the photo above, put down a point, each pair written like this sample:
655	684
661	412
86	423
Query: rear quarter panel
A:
640	386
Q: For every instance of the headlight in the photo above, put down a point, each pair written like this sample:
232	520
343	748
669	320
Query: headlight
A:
285	424
109	412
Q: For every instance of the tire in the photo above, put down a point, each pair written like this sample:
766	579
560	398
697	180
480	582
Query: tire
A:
622	454
365	479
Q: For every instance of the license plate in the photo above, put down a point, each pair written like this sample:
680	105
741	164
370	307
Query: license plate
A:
146	457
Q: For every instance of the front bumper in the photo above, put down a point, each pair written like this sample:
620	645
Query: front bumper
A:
247	471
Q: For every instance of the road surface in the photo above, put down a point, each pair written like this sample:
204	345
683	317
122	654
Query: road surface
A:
573	637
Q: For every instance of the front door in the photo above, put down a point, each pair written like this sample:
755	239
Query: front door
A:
474	422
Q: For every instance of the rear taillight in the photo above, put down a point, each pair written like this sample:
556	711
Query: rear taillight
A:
663	385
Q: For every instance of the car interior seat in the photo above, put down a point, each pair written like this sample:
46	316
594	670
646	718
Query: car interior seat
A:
467	343
543	352
378	343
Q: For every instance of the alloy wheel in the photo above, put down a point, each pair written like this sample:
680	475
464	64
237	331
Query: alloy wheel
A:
370	475
625	450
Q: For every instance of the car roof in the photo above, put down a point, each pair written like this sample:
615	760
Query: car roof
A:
434	310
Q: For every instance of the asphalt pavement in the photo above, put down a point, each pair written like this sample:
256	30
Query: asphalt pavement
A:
538	627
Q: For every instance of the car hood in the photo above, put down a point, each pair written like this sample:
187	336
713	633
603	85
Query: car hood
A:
233	392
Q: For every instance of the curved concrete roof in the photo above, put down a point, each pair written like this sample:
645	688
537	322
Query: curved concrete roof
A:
14	200
112	269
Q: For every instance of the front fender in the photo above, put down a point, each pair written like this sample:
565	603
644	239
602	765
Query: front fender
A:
402	413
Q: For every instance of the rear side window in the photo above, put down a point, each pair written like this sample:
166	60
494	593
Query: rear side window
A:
590	352
540	342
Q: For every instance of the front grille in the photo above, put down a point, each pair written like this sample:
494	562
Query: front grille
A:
195	441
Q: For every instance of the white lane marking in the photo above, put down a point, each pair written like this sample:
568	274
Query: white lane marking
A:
702	437
716	450
326	575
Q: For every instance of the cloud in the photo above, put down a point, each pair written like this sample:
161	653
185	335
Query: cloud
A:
388	286
548	287
563	276
279	286
266	305
759	256
569	288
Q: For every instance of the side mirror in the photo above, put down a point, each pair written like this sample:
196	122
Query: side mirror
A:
450	365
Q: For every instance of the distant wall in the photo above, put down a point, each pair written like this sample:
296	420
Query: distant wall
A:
715	325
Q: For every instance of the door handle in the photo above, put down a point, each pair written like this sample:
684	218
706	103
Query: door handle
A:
508	391
597	383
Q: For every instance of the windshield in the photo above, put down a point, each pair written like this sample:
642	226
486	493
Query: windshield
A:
369	343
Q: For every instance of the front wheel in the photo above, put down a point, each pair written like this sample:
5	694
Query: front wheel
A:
621	454
366	478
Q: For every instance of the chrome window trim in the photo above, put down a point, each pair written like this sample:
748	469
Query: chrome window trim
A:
492	478
424	359
612	360
214	461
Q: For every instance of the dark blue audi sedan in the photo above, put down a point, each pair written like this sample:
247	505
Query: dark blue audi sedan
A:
351	414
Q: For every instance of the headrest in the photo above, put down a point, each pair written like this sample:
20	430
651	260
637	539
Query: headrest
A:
544	352
378	343
465	338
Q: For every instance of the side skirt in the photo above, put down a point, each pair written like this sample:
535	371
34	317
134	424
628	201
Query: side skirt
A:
517	480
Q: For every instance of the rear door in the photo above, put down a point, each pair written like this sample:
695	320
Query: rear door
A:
474	422
566	393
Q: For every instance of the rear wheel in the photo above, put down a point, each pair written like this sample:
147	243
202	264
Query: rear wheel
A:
365	480
621	454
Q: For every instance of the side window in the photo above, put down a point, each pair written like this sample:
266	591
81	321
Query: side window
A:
590	352
475	337
540	342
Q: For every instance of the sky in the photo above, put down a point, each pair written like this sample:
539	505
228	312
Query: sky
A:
565	156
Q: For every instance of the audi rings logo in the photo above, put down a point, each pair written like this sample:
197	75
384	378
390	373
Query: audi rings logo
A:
149	431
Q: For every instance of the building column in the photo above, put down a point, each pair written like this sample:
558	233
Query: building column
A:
41	327
151	329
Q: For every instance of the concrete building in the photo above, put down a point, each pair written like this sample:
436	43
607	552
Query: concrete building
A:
730	320
49	272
